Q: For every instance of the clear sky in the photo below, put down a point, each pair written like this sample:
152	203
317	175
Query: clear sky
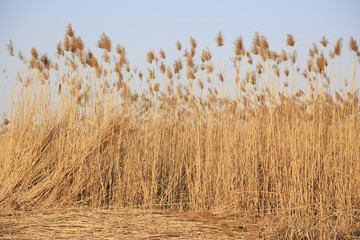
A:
150	25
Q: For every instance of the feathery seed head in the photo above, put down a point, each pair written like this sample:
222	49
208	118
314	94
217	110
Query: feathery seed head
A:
264	44
177	66
151	73
34	53
19	77
73	45
10	48
311	53
45	61
256	40
221	77
156	87
219	39
66	43
193	42
162	68
286	72
210	67
21	56
201	84
277	71
59	49
190	74
324	41
264	54
162	53
338	46
321	62
309	65
120	50
189	62
169	73
106	57
69	31
88	56
150	56
259	68
255	49
239	47
293	57
104	42
94	62
178	46
206	55
192	52
315	49
273	55
55	66
305	74
290	40
79	44
203	57
253	78
353	45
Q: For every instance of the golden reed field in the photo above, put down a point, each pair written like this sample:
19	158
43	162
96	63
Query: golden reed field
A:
192	147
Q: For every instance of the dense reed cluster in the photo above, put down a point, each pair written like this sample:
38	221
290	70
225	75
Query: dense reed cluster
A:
95	131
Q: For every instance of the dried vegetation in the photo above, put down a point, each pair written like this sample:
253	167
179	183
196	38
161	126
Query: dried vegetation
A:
96	132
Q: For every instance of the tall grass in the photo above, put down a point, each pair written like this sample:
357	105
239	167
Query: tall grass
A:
81	132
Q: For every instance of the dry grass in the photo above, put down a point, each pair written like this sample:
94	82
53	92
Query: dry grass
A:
84	132
80	223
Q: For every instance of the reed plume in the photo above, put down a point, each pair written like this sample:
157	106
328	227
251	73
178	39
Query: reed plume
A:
34	53
178	46
255	44
21	56
150	57
104	42
324	41
353	45
219	39
338	46
264	44
69	31
193	43
10	48
162	53
290	40
239	47
59	49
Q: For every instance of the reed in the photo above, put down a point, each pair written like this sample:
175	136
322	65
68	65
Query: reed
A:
78	134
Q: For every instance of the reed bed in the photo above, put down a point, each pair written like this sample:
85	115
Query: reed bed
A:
188	135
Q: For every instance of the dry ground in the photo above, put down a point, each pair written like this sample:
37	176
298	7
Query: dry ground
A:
82	223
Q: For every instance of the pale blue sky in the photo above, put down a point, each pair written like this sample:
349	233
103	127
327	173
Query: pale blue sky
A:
150	25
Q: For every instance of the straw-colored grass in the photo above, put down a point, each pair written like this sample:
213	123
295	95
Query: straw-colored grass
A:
83	131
